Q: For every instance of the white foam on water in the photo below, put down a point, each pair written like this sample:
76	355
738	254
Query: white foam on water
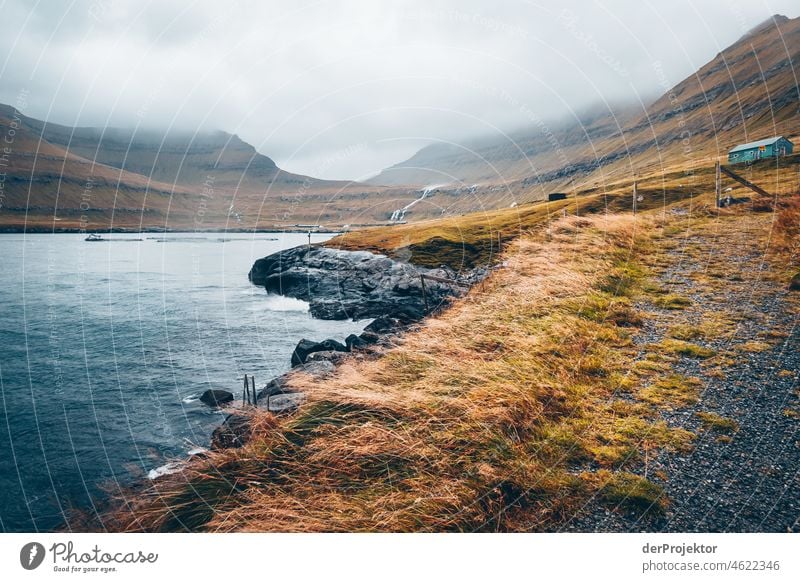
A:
281	303
167	469
196	451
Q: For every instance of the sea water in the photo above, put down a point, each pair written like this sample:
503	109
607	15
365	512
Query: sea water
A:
106	347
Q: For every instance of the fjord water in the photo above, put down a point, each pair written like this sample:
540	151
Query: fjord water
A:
106	347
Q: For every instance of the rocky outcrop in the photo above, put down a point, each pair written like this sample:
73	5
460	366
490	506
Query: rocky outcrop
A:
232	434
216	397
354	343
340	285
307	347
355	284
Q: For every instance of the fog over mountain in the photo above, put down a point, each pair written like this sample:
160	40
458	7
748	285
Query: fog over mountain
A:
344	89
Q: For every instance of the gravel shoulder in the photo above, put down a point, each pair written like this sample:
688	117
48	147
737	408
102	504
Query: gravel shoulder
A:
742	473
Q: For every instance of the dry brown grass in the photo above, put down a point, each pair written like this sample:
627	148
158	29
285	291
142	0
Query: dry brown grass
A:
503	413
509	411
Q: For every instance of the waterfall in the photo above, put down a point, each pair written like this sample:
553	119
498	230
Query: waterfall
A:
400	214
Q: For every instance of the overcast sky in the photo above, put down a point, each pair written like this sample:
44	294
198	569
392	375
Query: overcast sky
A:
342	89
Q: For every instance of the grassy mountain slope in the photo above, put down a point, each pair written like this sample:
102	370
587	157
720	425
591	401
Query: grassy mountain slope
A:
748	91
64	177
477	239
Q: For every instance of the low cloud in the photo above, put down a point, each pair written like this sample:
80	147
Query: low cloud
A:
362	84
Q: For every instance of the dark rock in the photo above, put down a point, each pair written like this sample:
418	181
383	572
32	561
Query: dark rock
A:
318	369
306	347
283	403
233	433
216	397
301	351
326	356
383	324
353	343
353	285
794	284
275	386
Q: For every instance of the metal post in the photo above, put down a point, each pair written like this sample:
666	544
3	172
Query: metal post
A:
717	183
255	394
424	293
635	195
245	392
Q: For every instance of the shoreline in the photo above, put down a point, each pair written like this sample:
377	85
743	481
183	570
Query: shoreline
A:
39	230
397	301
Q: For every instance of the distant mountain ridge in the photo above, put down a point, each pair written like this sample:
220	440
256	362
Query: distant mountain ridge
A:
111	177
62	177
749	90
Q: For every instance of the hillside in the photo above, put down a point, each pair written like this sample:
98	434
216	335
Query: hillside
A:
463	242
186	181
749	90
60	177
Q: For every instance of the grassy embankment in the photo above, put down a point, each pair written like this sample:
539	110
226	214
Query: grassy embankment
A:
463	242
510	411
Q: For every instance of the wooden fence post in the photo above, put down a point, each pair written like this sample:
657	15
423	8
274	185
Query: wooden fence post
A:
424	293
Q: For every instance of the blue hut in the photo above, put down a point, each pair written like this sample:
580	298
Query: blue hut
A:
757	150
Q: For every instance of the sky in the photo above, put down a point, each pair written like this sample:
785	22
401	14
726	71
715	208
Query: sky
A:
342	89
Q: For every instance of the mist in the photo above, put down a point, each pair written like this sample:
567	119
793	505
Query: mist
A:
344	89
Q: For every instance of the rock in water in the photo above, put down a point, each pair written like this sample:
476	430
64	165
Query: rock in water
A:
216	397
353	284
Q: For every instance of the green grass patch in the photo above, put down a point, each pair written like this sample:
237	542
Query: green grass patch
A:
624	279
675	390
632	493
687	349
672	301
685	332
194	506
602	307
715	422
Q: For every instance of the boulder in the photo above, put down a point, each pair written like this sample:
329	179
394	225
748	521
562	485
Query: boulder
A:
354	343
317	368
325	356
216	397
283	403
794	284
306	347
275	386
353	284
233	433
383	324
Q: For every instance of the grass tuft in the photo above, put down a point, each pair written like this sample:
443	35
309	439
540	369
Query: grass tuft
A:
674	390
715	422
633	493
688	349
672	301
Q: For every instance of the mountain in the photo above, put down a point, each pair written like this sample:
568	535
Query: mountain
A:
509	157
748	91
59	177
